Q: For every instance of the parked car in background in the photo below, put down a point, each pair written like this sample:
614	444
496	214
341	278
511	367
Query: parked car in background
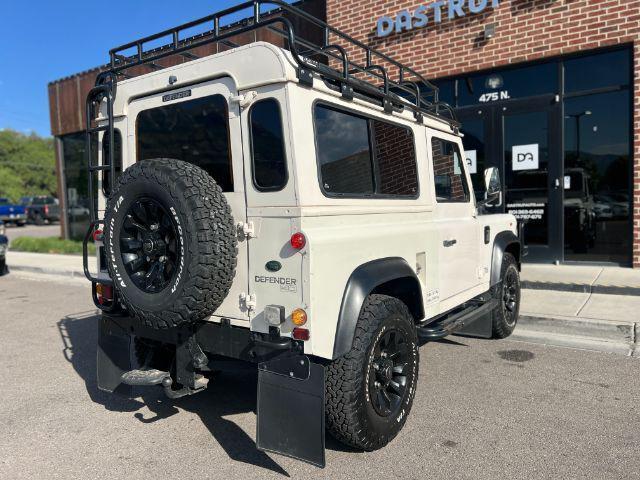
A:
11	213
41	209
4	246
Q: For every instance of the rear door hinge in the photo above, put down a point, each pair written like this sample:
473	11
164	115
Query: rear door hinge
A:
248	301
246	230
244	100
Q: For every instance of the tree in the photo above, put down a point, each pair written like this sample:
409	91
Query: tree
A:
27	165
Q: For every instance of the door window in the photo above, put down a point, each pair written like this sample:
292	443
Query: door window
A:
195	131
448	172
360	156
267	146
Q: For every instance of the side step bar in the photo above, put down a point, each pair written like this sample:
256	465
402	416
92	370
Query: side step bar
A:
457	322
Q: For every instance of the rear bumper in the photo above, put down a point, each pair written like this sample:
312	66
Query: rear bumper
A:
14	217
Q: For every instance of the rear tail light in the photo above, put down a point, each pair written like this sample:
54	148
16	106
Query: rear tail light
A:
299	317
46	209
301	334
104	293
298	240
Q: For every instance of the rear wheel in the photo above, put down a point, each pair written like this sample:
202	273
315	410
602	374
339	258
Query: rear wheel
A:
505	316
370	390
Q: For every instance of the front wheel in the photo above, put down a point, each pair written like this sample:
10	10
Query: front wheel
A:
370	390
505	316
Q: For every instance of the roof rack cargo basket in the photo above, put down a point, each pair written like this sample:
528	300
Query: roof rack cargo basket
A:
339	58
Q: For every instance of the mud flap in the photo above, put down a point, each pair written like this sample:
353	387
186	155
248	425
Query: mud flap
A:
291	409
479	328
114	357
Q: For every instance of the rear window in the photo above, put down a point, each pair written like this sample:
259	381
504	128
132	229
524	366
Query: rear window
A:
195	131
360	156
267	146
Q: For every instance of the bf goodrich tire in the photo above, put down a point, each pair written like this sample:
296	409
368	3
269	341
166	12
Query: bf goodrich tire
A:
170	242
505	316
370	390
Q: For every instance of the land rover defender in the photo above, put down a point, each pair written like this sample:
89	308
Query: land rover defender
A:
301	204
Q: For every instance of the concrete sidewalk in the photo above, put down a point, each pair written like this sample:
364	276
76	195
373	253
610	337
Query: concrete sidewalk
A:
594	308
62	265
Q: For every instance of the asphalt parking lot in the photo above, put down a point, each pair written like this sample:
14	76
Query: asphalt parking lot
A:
483	409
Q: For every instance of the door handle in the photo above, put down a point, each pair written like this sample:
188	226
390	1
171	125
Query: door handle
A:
449	243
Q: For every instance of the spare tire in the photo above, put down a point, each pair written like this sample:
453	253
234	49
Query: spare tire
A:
170	242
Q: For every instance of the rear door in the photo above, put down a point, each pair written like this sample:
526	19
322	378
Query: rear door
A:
199	124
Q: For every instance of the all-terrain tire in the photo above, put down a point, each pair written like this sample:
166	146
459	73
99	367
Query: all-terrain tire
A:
350	415
205	241
505	316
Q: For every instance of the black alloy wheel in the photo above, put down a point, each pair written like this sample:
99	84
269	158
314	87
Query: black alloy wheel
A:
388	380
510	294
149	245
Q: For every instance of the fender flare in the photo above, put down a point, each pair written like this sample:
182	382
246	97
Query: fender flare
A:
504	240
364	280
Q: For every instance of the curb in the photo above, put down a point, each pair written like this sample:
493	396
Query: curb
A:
580	288
587	334
70	273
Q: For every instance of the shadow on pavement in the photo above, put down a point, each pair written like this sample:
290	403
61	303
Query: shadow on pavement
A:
229	393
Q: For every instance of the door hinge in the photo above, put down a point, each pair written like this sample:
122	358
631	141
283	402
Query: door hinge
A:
248	301
246	230
244	100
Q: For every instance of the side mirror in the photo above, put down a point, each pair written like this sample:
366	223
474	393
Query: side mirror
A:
493	187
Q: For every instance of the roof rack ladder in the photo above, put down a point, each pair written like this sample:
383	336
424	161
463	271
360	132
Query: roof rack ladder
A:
103	91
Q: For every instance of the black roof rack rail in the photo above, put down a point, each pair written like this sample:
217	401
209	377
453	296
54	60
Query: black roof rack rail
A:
377	72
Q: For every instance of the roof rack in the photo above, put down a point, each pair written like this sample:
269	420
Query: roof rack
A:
347	62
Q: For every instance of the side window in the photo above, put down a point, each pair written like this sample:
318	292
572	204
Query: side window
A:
358	156
448	172
195	131
267	146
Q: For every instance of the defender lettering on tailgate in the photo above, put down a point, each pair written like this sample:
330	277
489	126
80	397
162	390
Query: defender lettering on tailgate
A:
286	284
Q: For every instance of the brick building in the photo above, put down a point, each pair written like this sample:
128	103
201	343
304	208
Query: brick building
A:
546	90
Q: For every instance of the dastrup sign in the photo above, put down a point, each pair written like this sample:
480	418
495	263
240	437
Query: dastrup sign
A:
433	13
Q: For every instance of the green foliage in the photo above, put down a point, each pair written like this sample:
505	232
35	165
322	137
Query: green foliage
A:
27	165
48	245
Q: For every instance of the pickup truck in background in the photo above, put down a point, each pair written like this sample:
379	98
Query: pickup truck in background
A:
41	209
11	213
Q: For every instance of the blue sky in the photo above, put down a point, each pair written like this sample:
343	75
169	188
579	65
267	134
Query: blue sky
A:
43	40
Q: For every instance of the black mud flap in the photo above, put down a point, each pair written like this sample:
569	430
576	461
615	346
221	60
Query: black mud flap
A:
482	327
114	357
291	409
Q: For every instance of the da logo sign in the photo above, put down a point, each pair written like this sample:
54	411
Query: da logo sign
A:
435	12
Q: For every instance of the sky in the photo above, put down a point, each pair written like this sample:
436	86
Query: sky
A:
44	40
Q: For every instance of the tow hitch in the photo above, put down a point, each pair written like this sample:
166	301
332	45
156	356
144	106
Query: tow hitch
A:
290	403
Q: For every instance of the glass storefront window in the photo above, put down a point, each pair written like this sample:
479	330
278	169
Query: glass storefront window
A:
597	162
474	149
76	181
508	84
602	70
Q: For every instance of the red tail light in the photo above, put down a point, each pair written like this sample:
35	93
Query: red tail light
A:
97	236
301	334
298	240
104	293
46	209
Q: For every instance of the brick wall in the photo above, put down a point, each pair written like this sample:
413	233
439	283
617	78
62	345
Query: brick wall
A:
526	30
397	170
